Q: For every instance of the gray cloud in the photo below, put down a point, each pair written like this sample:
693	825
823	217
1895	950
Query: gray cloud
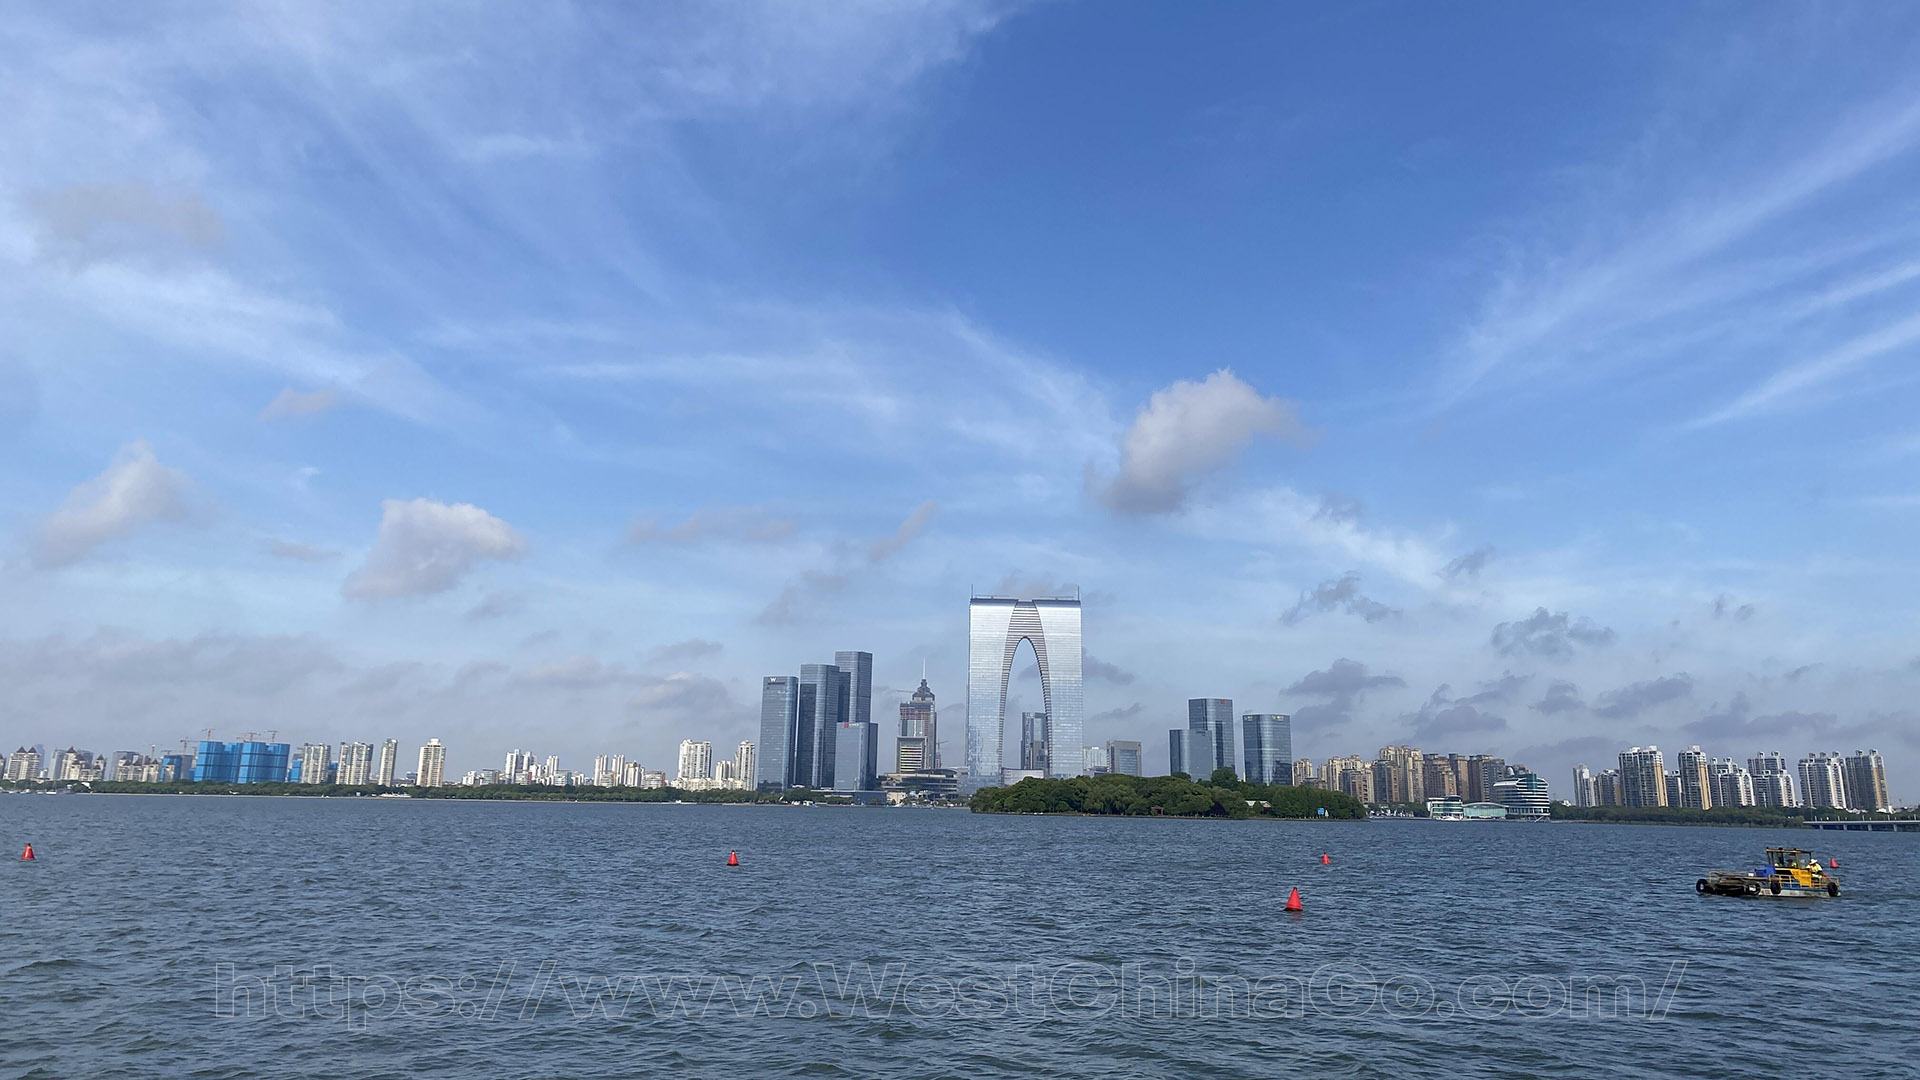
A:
888	546
134	490
1125	713
295	551
84	224
1796	674
687	702
1024	586
1338	508
682	651
1098	669
497	604
1341	683
577	672
1443	716
1185	432
738	524
1636	698
1561	696
293	403
427	547
1468	566
1726	607
1549	634
791	605
1342	592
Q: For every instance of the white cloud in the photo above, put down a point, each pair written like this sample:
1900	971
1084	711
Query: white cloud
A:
291	402
135	489
1188	430
427	547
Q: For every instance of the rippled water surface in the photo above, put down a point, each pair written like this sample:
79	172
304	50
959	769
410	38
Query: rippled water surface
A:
463	938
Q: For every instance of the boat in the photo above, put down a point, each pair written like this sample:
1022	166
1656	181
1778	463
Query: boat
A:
1789	872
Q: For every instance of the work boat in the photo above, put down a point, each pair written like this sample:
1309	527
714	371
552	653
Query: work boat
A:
1789	872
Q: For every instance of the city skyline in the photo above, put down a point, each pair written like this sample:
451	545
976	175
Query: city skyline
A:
1535	403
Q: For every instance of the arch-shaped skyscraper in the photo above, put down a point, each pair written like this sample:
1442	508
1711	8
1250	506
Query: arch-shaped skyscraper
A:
997	626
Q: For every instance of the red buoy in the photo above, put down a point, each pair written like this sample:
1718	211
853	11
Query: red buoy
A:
1833	863
1293	901
1325	858
27	854
733	858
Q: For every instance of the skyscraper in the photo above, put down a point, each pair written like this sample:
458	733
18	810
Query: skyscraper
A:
1093	761
858	667
1033	741
1732	785
433	764
356	764
389	763
853	757
1215	717
1123	757
1696	789
997	626
1190	752
825	693
779	733
1582	786
744	764
696	760
1866	781
1772	780
1643	777
919	719
1268	741
314	759
1823	784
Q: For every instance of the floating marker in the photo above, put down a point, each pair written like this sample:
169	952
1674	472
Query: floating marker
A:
1293	901
1833	863
733	858
27	854
1325	858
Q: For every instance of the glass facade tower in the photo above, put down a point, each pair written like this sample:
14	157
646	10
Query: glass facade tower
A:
1214	716
1268	740
997	626
779	720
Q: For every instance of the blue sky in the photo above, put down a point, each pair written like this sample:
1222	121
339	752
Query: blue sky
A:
1521	379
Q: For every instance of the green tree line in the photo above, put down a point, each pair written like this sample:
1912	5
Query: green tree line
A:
1222	795
1784	817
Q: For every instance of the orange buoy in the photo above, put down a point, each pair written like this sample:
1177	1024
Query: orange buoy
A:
1325	858
733	858
1833	863
1293	901
27	854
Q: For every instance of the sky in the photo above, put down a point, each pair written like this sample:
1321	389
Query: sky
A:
1505	378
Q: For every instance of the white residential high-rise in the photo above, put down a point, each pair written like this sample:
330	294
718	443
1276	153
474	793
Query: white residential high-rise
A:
433	764
356	764
607	769
633	774
314	759
1823	782
1696	789
389	763
696	760
519	768
744	763
1643	777
1582	786
1866	775
1732	785
23	764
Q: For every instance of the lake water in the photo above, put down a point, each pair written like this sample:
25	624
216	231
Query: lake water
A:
574	940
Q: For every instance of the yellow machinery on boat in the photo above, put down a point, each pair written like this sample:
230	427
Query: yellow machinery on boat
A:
1789	872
